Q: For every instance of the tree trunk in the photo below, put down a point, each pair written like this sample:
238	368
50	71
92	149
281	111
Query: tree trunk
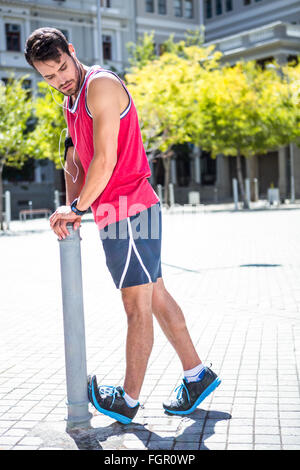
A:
1	197
167	167
241	179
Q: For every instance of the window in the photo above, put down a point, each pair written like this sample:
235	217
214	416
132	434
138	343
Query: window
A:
178	8
208	9
13	37
219	9
14	175
150	6
188	9
247	2
228	5
162	7
208	169
107	47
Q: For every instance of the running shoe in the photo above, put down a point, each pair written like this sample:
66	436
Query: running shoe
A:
189	395
110	401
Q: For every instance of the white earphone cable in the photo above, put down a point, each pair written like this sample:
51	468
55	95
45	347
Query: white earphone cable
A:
75	145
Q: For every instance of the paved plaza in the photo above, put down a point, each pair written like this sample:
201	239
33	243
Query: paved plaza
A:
236	275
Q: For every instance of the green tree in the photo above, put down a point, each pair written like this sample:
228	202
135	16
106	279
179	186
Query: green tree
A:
43	142
15	113
163	91
141	52
243	110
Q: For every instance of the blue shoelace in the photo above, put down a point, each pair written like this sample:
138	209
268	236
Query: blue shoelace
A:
109	391
179	391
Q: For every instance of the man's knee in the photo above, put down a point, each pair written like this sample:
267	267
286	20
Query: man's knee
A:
137	302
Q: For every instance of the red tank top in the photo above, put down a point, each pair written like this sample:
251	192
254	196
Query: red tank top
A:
128	191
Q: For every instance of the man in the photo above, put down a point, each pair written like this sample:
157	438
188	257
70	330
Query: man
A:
107	156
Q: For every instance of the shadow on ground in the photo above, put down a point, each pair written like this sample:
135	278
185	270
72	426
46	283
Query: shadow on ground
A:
202	426
214	268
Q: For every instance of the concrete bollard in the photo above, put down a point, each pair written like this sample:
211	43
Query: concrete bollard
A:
160	193
248	191
172	194
74	331
7	209
56	199
235	193
255	189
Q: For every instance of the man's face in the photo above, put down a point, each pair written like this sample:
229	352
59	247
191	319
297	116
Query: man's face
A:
62	75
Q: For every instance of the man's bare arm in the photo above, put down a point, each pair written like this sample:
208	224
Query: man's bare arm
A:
73	189
104	104
59	226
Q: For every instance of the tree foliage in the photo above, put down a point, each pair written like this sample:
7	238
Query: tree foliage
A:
15	113
189	95
43	142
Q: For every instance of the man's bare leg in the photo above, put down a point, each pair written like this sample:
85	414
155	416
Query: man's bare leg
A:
137	303
171	319
195	387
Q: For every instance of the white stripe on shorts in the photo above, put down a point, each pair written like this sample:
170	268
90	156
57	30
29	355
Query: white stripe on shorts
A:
130	246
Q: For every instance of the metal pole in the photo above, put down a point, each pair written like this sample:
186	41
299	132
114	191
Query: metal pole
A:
292	173
172	195
235	193
7	209
202	23
99	25
74	331
160	192
56	199
248	191
256	192
30	208
198	169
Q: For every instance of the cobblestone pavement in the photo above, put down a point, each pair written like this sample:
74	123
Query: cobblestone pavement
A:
236	276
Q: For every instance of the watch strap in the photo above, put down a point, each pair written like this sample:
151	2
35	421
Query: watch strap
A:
75	210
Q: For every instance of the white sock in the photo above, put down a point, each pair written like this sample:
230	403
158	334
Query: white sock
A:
192	375
130	401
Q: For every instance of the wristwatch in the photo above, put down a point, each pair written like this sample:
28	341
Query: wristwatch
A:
77	211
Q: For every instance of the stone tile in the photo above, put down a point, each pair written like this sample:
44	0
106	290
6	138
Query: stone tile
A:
185	446
16	432
134	445
291	447
291	440
266	447
165	444
213	446
240	438
267	439
239	447
290	431
30	441
9	440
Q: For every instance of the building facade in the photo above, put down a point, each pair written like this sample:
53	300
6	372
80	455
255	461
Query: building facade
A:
167	17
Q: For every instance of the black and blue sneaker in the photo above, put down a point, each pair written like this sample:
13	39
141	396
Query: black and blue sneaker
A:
189	395
110	401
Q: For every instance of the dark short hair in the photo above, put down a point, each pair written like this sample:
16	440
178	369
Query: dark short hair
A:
45	44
